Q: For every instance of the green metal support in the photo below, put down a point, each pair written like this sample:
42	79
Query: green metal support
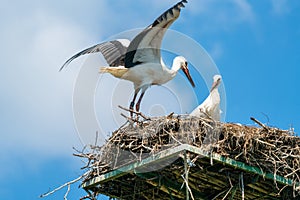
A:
174	153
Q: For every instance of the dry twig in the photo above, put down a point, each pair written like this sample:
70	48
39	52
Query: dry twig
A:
64	185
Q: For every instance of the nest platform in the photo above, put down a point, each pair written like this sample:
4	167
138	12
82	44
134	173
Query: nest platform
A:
179	157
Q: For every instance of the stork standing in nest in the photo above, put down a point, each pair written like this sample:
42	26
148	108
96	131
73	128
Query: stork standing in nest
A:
139	60
211	105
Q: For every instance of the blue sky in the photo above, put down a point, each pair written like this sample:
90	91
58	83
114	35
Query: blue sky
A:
255	45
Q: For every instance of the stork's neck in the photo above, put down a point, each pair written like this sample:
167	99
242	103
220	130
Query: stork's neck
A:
168	74
174	69
214	87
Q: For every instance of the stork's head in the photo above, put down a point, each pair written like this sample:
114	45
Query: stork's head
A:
181	63
217	80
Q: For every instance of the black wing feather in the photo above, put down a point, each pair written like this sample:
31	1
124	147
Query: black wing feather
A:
134	45
113	52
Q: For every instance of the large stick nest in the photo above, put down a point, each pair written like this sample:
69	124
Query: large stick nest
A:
271	149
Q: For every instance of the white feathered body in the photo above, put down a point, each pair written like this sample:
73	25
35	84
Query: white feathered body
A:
210	107
143	75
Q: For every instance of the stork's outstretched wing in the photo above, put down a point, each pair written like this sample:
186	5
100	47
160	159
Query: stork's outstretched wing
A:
145	47
113	52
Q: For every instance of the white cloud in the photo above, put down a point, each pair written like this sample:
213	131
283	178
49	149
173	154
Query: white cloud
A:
216	50
280	7
224	15
37	105
244	10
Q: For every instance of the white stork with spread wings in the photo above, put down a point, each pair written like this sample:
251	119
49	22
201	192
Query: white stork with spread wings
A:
211	105
139	60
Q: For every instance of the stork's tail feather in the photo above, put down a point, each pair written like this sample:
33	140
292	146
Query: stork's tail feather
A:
103	70
115	71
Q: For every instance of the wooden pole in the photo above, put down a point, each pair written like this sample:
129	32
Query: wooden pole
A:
186	176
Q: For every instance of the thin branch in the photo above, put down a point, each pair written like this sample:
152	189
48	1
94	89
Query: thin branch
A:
242	186
170	115
259	123
135	112
186	176
187	185
64	185
96	140
218	195
129	118
231	186
293	172
266	143
68	190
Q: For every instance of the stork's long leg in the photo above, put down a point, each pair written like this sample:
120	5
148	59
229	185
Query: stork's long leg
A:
133	101
137	106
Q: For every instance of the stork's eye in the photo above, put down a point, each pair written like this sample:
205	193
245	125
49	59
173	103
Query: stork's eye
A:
185	63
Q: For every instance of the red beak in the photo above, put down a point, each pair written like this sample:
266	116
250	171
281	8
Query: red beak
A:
187	73
215	84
